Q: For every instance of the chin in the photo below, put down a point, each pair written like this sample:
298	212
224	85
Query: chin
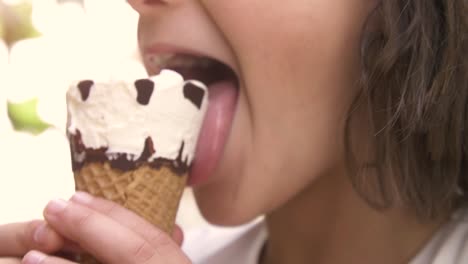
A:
217	209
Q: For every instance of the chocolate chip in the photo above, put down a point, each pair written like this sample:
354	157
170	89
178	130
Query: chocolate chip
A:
145	88
194	94
85	88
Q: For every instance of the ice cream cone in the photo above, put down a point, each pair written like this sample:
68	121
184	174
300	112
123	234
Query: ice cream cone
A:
133	143
152	193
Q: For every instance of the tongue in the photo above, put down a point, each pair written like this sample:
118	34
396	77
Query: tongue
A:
215	130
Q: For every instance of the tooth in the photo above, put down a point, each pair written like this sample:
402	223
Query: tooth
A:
182	62
176	61
162	60
166	57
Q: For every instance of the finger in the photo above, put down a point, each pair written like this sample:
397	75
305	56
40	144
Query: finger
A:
18	238
178	235
108	240
123	216
71	247
36	257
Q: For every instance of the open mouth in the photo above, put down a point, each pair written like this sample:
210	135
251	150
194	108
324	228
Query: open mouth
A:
192	67
223	87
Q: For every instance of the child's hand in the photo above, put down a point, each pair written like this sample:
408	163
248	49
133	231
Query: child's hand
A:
19	238
106	230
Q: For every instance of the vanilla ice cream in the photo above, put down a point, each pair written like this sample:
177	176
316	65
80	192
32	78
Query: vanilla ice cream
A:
142	122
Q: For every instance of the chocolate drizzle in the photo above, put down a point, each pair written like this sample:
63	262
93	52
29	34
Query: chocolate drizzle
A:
194	94
145	88
148	151
122	161
85	88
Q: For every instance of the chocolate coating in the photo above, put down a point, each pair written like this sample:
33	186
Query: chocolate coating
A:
145	88
85	88
121	161
194	94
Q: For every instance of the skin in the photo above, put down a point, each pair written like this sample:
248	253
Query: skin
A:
88	224
284	157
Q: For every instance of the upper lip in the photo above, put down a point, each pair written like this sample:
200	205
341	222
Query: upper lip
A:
160	49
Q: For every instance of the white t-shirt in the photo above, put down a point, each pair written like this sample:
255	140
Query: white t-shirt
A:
242	245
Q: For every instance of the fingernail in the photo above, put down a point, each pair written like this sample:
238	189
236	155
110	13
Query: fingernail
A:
55	206
41	233
82	197
33	257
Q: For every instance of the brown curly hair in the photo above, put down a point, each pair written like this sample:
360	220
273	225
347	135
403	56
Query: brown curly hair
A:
414	85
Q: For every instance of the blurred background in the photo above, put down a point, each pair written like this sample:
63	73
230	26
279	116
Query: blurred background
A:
44	45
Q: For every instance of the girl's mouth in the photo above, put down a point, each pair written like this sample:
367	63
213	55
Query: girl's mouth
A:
223	86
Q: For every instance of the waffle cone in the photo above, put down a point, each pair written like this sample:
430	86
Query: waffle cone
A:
154	194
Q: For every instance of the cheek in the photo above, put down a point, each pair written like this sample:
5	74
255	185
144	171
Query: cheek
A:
299	65
290	55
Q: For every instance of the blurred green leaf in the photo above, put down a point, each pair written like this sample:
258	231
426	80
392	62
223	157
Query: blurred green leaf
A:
24	117
16	22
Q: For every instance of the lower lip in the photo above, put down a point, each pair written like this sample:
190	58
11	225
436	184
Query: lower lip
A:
215	131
